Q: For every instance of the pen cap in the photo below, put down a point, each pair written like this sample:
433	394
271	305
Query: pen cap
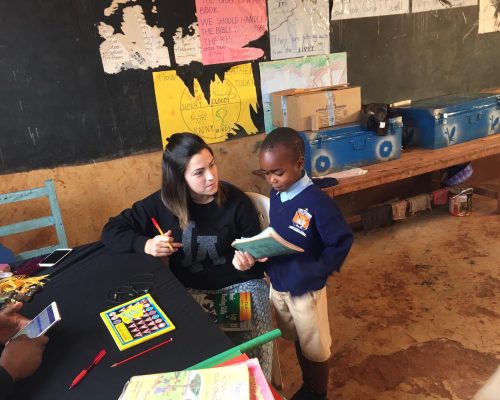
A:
99	356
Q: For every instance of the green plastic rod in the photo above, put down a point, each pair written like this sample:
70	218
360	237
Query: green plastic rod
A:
237	350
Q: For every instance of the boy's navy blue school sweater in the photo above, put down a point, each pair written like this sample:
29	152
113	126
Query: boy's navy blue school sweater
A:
312	221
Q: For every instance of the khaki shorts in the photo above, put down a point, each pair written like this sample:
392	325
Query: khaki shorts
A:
305	318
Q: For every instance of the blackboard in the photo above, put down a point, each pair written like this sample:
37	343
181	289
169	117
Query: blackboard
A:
58	107
418	55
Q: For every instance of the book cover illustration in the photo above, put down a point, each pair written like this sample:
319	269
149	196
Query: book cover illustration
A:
230	311
136	321
224	383
268	243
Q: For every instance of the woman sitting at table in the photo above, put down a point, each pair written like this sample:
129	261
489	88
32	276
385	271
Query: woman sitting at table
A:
201	216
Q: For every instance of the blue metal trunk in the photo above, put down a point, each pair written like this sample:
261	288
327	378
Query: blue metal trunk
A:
349	146
443	121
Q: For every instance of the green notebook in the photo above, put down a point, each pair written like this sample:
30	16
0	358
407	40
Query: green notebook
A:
266	244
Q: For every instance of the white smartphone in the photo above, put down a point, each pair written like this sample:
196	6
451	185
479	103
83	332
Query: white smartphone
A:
41	323
54	257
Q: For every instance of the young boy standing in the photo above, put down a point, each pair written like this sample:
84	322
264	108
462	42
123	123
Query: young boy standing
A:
302	214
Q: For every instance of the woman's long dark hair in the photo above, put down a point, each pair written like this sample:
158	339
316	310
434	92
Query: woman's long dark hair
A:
174	189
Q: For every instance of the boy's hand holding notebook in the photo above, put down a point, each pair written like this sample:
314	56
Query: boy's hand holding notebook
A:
268	243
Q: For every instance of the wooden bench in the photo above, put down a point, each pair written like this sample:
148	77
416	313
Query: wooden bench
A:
417	161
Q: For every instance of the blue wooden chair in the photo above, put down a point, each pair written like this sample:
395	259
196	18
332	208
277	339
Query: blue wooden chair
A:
55	220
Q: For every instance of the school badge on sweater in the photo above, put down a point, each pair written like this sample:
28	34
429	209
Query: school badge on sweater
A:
301	221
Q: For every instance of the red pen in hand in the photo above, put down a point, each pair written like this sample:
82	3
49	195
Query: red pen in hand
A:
161	232
82	374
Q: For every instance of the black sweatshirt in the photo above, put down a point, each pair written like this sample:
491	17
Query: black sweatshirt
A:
6	384
205	260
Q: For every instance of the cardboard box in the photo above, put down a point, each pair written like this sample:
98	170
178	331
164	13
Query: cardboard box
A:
312	109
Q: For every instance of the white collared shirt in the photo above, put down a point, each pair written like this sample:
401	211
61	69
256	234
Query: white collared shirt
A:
296	188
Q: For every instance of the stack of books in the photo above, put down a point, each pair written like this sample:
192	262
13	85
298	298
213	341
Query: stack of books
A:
243	380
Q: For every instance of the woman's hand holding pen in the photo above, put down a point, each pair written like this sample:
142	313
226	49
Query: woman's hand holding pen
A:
243	261
162	245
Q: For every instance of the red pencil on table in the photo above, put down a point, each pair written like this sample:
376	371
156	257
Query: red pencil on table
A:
161	232
141	353
82	374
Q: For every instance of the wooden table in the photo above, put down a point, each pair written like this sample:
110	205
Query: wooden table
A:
417	161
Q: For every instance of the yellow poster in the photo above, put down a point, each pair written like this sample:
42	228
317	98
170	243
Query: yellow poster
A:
215	119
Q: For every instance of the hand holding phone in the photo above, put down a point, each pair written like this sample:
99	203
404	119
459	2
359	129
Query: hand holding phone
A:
41	323
55	257
11	320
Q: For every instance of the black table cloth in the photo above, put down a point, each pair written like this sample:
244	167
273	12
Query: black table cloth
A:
81	285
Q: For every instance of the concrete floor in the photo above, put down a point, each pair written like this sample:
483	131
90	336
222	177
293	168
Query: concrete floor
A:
415	312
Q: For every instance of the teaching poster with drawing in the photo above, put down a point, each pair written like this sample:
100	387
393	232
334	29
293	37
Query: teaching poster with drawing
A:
299	73
233	99
298	29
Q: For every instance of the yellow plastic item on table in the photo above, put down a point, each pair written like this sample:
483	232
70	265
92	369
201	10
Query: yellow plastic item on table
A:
20	283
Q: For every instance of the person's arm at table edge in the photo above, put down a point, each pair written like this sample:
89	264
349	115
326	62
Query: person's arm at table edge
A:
132	228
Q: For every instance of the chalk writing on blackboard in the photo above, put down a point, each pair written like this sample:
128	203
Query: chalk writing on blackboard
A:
345	9
215	119
137	46
298	29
